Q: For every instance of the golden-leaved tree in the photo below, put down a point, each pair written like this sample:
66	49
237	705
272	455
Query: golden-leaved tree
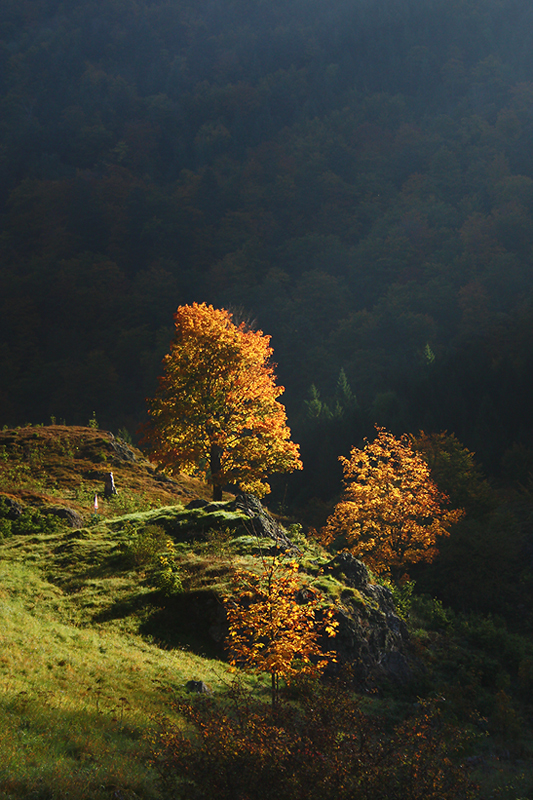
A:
392	513
216	413
275	624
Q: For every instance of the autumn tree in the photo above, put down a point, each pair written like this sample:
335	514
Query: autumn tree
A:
454	470
392	513
216	412
274	626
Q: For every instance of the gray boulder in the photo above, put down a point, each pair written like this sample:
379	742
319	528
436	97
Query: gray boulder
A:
122	450
371	636
262	524
198	687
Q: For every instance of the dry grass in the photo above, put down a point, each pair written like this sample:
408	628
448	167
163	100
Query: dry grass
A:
65	465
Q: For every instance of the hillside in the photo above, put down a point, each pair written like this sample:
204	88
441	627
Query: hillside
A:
100	637
356	178
59	465
93	642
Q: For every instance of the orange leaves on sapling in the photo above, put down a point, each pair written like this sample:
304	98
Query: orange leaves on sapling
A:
275	623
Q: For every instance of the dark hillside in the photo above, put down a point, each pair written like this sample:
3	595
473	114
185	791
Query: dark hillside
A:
356	177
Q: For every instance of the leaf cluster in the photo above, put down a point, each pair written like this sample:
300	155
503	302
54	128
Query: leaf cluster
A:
392	512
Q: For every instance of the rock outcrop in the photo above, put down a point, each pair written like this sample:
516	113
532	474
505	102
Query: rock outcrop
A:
249	516
262	523
371	636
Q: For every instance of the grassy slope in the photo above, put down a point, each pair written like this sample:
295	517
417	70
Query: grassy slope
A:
79	682
90	652
63	465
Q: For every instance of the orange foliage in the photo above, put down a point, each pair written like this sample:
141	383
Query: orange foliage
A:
270	631
392	513
216	412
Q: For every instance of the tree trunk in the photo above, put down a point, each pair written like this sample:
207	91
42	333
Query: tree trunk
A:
214	465
274	688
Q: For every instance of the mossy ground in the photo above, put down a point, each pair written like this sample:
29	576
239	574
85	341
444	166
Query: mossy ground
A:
89	652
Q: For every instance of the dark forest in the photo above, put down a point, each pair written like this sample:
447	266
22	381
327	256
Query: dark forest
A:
356	178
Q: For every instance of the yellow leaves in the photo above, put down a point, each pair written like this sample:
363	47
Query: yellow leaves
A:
219	390
275	632
392	513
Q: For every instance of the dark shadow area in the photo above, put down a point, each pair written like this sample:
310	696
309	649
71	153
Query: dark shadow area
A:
194	620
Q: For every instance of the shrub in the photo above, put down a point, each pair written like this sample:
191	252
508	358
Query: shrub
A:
167	576
32	522
324	749
146	545
152	550
5	528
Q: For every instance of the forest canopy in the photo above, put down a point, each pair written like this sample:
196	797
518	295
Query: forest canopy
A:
357	177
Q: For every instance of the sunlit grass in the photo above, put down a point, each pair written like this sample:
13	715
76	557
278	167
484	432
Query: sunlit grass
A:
92	651
76	696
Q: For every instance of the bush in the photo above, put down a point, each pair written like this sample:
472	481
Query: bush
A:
431	613
167	576
152	550
30	522
324	749
490	635
5	528
146	545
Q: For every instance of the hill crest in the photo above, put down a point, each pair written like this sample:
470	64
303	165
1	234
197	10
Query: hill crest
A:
47	466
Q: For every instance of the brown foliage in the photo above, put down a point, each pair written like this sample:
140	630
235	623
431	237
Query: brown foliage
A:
324	749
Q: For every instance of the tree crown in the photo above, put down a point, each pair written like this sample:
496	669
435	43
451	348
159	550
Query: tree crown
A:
392	513
216	412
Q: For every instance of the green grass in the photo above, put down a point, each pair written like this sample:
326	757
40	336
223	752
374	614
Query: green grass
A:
184	523
77	695
92	653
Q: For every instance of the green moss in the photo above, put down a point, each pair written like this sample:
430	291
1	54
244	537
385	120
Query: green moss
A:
183	523
311	563
328	585
253	545
351	595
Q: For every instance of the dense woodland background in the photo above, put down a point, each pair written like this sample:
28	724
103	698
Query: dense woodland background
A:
354	176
